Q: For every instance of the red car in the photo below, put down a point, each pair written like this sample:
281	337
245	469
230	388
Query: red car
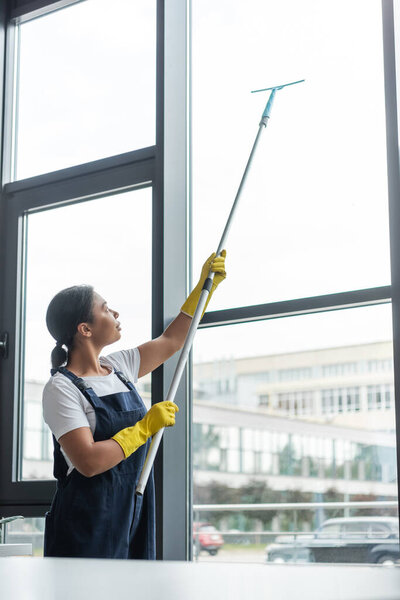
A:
206	537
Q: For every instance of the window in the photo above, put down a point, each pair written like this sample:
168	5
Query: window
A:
283	243
328	401
330	530
207	529
287	212
298	403
355	530
97	252
293	374
380	397
341	400
304	437
93	95
378	530
379	365
339	369
74	164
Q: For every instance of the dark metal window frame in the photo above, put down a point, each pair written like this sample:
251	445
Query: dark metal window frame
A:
108	176
45	192
370	296
170	278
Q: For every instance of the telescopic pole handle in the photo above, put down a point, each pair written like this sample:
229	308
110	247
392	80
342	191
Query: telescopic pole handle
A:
174	386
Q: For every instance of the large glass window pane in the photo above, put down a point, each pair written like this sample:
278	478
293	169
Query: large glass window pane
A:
86	87
313	216
277	455
105	242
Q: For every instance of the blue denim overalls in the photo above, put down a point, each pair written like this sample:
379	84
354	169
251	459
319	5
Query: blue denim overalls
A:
92	517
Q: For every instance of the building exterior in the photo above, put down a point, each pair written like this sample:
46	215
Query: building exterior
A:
312	420
309	421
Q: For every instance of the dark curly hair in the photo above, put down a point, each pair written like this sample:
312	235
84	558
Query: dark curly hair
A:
67	309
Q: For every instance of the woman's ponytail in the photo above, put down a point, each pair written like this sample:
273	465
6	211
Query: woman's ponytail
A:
58	356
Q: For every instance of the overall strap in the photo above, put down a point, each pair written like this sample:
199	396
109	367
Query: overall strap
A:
80	383
124	380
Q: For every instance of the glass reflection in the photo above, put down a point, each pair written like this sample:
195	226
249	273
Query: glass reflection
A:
312	426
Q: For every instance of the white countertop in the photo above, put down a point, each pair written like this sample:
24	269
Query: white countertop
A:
29	578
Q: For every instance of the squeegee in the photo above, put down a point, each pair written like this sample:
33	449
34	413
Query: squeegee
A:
203	296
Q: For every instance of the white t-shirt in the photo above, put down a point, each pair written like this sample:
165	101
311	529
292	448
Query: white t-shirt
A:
65	407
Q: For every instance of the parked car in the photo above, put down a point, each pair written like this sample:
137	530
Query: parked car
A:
206	537
341	540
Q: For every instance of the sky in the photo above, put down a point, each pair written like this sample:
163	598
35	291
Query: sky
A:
313	215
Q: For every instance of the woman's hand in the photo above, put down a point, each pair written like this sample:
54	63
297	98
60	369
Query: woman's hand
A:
161	414
217	266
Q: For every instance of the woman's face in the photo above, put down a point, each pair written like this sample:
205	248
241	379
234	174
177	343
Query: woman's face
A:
105	328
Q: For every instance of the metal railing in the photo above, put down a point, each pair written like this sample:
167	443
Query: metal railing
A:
3	524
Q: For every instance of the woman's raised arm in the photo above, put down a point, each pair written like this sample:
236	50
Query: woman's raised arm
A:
157	351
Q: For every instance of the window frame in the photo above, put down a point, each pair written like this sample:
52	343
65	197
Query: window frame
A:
131	171
369	296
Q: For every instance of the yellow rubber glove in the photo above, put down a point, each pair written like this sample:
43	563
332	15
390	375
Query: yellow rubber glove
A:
160	415
217	265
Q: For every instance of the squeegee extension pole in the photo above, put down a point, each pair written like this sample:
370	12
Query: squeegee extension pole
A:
193	326
202	302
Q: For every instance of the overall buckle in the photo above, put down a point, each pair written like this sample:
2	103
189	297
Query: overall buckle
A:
81	385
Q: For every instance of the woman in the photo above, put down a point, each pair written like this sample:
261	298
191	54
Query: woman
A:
101	429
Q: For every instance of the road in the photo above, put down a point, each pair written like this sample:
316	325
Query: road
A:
240	556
